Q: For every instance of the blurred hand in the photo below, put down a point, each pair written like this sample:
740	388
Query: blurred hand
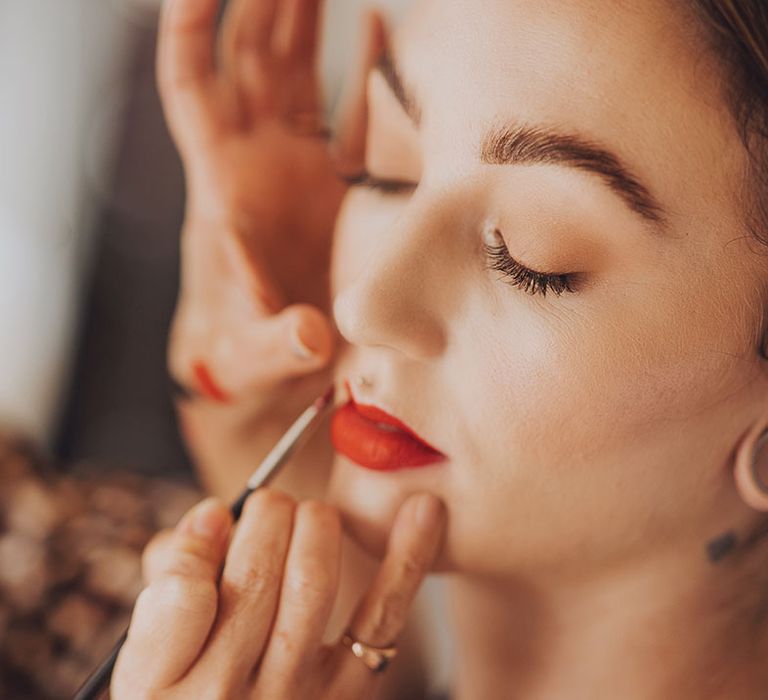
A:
245	617
263	189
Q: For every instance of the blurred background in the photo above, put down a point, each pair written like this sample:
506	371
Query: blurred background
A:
91	200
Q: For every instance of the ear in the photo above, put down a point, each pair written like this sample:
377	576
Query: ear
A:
751	467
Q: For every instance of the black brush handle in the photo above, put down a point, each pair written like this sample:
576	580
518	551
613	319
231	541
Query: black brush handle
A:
98	681
237	507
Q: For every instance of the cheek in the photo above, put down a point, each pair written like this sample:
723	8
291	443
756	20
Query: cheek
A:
572	421
587	380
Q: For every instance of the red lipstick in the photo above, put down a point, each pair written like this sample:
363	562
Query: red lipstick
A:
207	385
374	439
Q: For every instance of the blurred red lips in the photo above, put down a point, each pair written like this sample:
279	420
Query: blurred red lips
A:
374	439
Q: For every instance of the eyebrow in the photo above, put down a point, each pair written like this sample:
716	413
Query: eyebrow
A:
521	144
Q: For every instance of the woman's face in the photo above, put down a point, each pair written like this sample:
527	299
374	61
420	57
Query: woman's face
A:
590	138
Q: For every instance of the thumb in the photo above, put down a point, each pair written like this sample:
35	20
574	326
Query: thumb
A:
310	335
295	342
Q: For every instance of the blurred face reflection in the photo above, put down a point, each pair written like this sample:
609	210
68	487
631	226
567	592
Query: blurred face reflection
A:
588	415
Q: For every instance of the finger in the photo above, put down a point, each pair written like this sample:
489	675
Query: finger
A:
185	63
348	147
413	546
297	40
255	356
246	345
155	555
296	43
295	342
174	614
308	331
306	600
249	588
246	35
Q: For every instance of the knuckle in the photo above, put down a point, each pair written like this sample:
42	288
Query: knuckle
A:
319	512
271	499
153	552
267	500
191	557
319	518
387	617
179	593
410	567
313	583
252	580
284	643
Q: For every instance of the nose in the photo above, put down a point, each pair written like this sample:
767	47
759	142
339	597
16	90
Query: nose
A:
395	298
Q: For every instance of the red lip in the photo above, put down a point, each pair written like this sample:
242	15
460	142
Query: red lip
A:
356	435
207	384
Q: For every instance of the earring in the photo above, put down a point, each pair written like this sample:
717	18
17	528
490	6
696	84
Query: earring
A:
758	478
363	382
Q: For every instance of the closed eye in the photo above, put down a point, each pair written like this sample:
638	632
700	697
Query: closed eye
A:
383	185
518	275
499	259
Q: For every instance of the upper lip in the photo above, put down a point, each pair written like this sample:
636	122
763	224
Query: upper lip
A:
379	415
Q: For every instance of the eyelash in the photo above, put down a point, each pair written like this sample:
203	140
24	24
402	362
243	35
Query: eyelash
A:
530	281
499	259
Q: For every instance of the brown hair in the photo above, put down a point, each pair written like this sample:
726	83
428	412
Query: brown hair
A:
739	29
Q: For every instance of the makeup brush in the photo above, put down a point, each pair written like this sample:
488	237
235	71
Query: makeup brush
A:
293	438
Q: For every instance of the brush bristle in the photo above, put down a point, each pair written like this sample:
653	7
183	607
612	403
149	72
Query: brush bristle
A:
327	398
342	395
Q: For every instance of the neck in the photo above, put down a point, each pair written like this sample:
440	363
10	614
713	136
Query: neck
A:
676	628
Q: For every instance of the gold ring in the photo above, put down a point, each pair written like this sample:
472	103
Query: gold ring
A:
375	658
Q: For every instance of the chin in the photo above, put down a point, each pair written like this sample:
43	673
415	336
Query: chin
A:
368	502
370	536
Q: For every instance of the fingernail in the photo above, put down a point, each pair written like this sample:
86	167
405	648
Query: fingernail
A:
428	510
301	346
206	519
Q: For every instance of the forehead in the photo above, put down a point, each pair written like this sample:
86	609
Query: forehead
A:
635	76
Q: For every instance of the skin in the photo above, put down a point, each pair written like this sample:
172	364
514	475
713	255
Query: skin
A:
214	609
249	320
597	441
591	437
585	409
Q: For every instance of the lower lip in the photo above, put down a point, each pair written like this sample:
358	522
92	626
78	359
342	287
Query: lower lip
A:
366	443
207	385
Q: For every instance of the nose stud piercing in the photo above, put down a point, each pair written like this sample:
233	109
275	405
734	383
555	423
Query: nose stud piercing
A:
363	382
